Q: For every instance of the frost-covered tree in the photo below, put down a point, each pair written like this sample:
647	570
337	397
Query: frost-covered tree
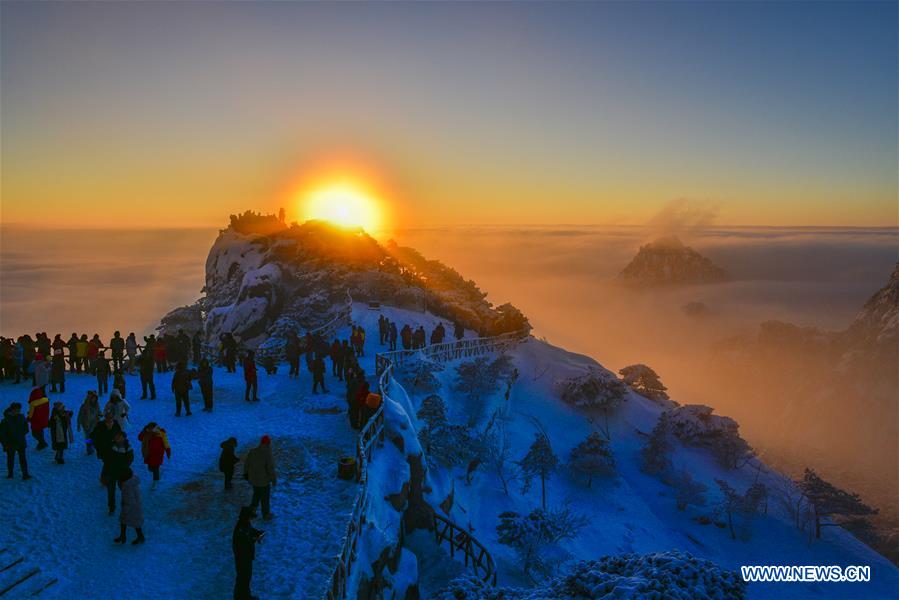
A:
592	457
433	414
655	455
827	500
597	389
419	378
540	461
499	452
479	378
529	535
695	425
687	490
746	505
645	381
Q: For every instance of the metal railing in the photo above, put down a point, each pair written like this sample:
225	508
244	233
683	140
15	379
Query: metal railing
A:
476	553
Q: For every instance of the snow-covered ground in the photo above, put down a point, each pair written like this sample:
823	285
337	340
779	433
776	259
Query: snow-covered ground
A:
630	511
58	520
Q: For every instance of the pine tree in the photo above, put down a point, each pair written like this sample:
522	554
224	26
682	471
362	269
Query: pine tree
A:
655	455
433	413
829	500
592	457
687	490
645	381
540	461
597	389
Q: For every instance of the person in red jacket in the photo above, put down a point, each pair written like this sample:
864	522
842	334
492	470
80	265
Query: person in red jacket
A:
39	415
154	446
249	375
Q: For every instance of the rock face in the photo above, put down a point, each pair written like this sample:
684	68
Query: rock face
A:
264	278
667	261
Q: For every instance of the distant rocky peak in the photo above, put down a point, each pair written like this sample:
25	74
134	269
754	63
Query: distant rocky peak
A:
667	261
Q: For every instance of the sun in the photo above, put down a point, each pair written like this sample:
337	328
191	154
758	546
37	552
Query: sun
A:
342	203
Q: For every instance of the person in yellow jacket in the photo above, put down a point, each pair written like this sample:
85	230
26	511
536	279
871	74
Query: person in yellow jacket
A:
81	353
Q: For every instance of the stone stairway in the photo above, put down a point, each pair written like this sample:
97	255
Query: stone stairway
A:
21	579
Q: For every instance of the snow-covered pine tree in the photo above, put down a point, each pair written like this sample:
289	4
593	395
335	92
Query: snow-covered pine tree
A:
592	457
529	535
540	461
596	389
655	455
687	490
645	381
433	414
828	500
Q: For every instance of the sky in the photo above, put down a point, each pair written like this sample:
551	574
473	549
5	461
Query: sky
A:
177	114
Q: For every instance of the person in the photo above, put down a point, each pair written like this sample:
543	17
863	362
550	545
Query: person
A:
392	335
118	383
196	344
204	378
249	376
160	355
131	351
117	345
183	341
420	337
458	331
41	375
228	460
132	513
81	353
292	353
93	350
259	470
359	401
154	447
118	408
406	335
146	375
13	430
38	415
27	354
18	360
243	544
181	387
101	369
117	461
318	373
382	329
88	416
349	358
58	372
72	347
42	341
229	351
60	430
336	353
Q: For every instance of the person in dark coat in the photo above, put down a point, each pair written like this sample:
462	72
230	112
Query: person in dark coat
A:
243	544
117	345
101	368
118	383
58	372
204	379
229	352
383	325
318	374
249	376
228	460
259	470
392	335
336	353
132	514
181	387
13	432
72	346
458	331
112	449
292	352
146	375
406	335
88	417
60	430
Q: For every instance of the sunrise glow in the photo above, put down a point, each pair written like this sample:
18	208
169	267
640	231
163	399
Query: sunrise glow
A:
342	203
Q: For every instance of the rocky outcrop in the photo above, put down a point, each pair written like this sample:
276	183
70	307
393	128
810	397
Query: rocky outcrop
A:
264	278
668	261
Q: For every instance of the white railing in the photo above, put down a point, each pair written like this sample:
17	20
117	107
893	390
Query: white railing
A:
476	554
